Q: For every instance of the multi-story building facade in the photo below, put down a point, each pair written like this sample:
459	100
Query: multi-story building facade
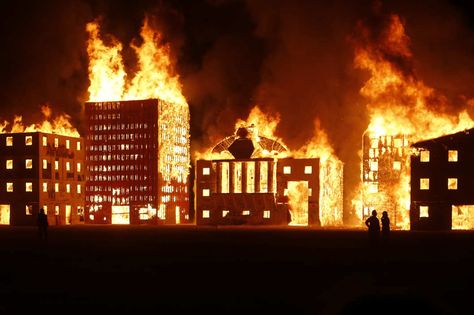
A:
41	170
138	159
442	183
256	190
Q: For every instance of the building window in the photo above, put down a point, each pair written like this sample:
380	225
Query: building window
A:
246	212
78	188
45	187
68	166
205	214
45	164
206	171
28	186
308	169
28	140
266	214
9	165
424	213
45	141
29	210
68	188
68	143
310	192
56	210
452	183
45	208
28	163
78	167
286	169
78	146
56	187
452	155
374	166
397	165
9	141
56	165
206	192
424	183
425	156
56	142
9	187
225	213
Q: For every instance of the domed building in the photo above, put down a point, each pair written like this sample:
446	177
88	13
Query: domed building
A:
253	181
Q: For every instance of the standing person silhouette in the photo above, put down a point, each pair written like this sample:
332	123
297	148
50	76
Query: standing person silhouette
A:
374	228
42	222
385	227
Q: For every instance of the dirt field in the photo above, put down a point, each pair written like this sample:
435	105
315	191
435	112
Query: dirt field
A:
124	269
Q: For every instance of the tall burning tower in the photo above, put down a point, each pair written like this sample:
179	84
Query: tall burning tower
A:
137	144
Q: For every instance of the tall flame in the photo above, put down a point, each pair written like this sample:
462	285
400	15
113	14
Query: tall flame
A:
401	104
60	125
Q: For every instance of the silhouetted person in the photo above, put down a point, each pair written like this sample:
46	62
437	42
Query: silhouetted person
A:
385	227
42	222
374	228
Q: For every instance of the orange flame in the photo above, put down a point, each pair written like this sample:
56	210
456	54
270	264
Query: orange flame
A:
60	125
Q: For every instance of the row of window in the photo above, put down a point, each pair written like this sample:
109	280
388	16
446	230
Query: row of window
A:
29	165
68	208
452	156
425	183
206	192
29	141
308	169
119	200
117	147
104	127
29	187
224	213
118	168
116	178
121	136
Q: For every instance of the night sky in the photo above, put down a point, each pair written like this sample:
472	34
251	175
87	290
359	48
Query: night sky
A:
291	57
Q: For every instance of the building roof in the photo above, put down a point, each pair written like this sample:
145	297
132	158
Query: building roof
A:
466	134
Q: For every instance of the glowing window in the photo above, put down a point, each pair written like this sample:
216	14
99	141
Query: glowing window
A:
9	164
9	187
246	212
264	177
225	213
206	192
206	171
45	187
56	187
310	192
206	214
285	192
287	170
68	188
29	210
9	141
28	186
28	163
397	143
56	165
266	214
78	146
78	188
68	143
250	187
45	164
424	183
425	156
45	208
452	183
397	165
45	141
452	155
424	213
373	188
56	142
308	170
225	175
374	165
28	140
56	210
68	166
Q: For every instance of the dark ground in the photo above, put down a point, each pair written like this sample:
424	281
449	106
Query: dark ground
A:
162	270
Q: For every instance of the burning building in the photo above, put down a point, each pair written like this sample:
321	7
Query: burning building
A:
442	186
41	170
137	162
253	181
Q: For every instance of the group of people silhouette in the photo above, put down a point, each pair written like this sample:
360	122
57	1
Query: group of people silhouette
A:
374	228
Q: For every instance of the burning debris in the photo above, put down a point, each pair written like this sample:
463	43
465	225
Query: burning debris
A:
138	135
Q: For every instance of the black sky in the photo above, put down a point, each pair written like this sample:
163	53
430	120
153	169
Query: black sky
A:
291	57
